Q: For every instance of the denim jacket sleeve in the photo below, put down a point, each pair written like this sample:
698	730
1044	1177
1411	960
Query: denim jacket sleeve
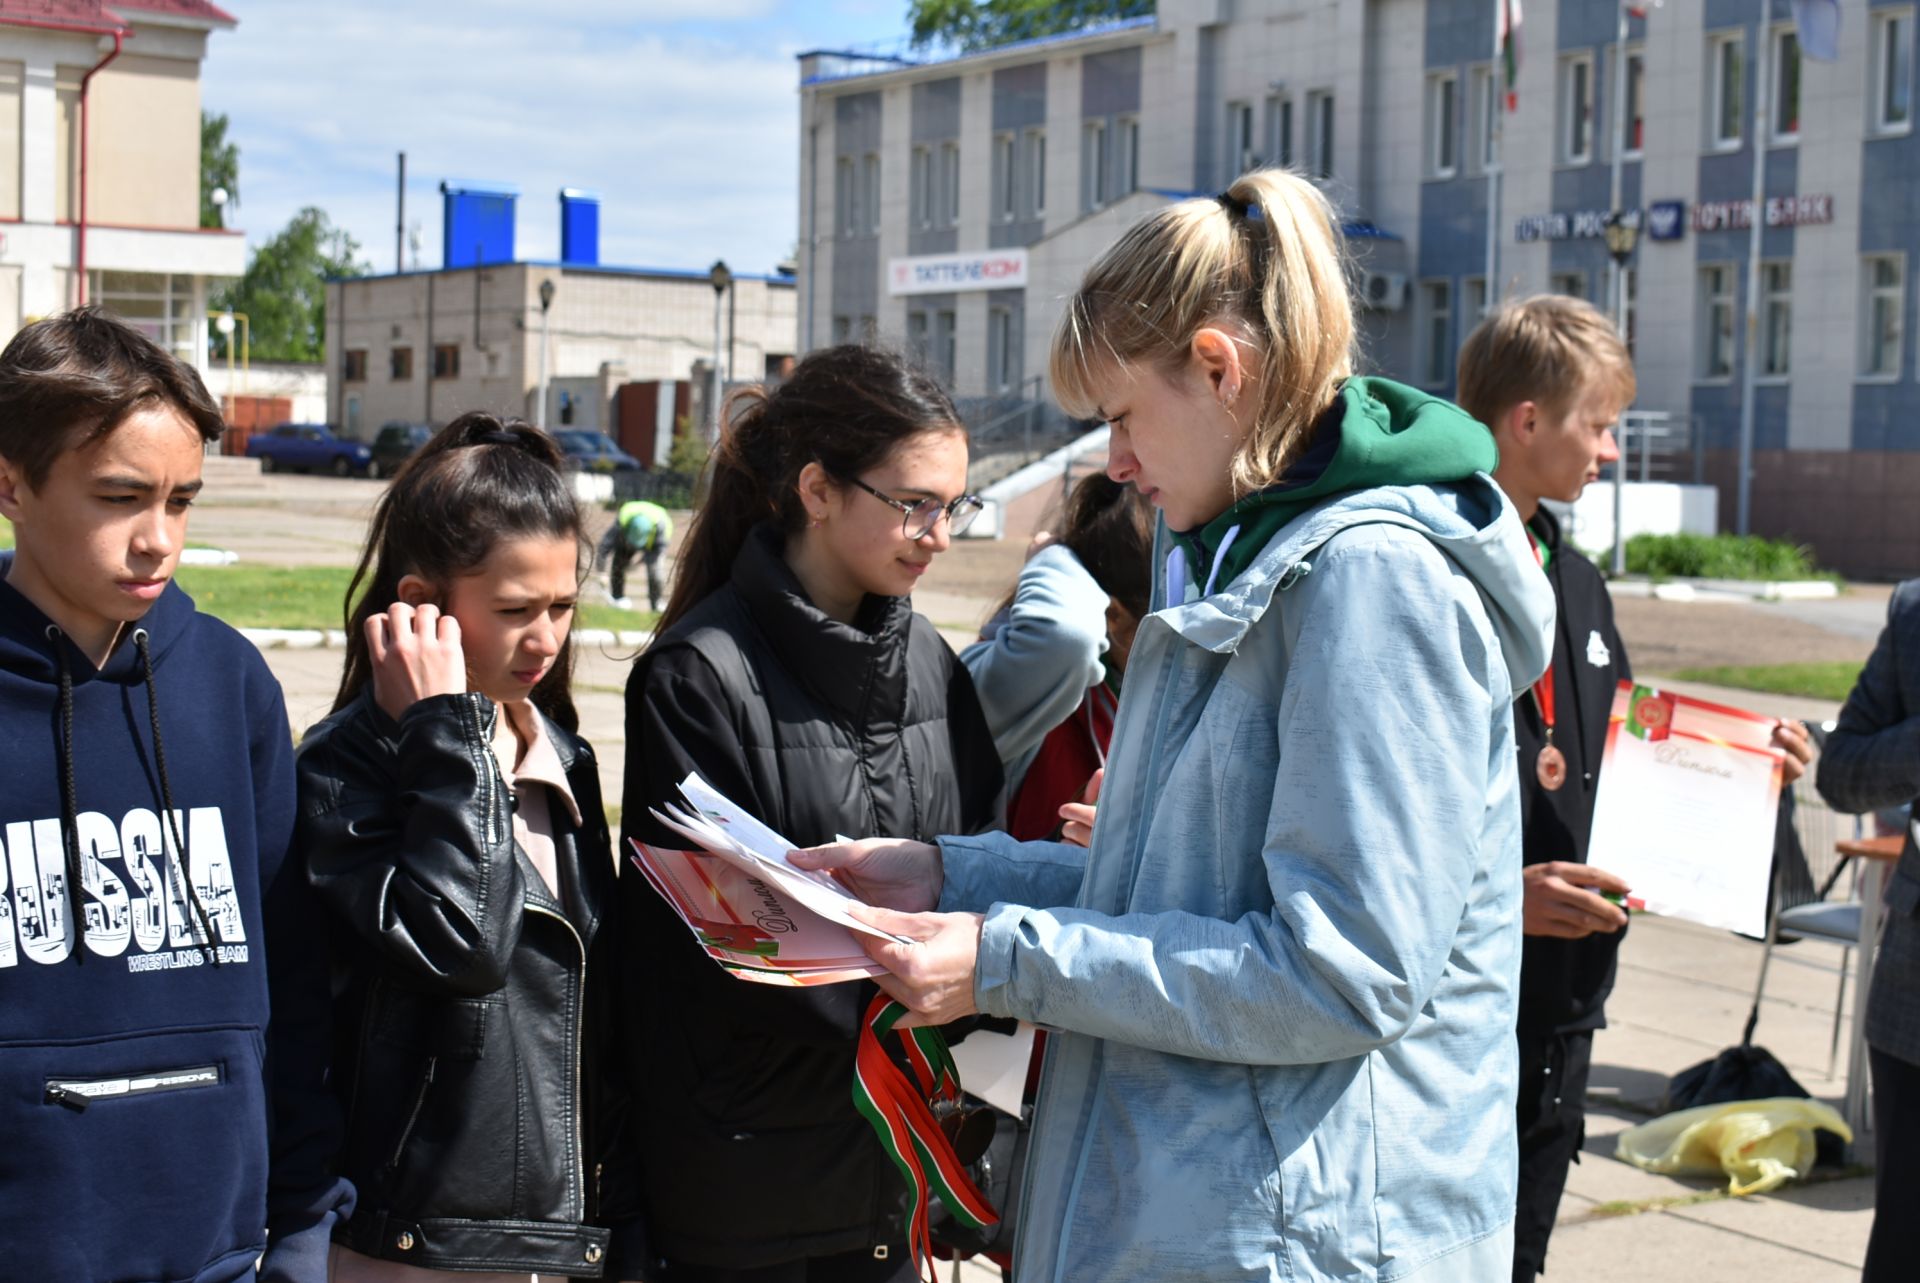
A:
1387	728
409	840
1039	656
1872	758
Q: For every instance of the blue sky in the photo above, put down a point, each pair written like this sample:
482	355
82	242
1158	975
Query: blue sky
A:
683	114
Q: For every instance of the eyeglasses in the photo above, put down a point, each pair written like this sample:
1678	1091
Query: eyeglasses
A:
917	520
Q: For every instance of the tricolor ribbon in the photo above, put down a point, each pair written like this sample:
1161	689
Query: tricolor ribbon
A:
901	1112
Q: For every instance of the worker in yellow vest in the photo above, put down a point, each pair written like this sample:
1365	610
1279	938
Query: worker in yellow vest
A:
638	527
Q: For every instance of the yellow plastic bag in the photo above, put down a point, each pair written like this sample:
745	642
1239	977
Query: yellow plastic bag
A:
1759	1144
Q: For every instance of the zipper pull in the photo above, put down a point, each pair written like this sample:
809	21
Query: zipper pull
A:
60	1094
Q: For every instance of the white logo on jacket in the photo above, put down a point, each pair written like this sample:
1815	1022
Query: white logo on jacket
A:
1597	653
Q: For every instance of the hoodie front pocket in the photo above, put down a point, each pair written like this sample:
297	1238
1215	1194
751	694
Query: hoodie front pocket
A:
78	1093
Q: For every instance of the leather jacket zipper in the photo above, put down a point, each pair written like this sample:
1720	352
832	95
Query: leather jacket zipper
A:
413	1114
579	1022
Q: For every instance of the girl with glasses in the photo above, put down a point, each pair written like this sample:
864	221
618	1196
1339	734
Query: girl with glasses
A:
790	671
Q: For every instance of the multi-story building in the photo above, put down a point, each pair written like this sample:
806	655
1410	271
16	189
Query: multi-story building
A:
100	165
424	346
949	205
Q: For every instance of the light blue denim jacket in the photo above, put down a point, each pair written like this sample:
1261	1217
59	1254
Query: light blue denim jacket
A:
1287	977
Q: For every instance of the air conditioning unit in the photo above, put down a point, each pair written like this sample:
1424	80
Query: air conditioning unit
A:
1383	291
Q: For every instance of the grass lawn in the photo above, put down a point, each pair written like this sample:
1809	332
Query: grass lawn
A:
312	597
1832	680
6	534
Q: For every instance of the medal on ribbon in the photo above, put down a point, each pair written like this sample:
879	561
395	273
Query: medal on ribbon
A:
919	1120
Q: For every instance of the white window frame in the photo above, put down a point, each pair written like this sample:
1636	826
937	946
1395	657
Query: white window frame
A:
1279	126
870	193
1569	113
1036	172
1718	43
1481	154
1000	353
1443	124
1474	305
1093	164
950	183
1636	56
946	338
1436	337
1238	150
1126	157
1708	302
1892	31
1006	199
1775	302
921	197
1871	295
846	198
1322	121
1782	35
1559	283
919	324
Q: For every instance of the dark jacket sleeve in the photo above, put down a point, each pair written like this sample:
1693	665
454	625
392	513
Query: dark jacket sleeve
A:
306	1195
1872	758
413	848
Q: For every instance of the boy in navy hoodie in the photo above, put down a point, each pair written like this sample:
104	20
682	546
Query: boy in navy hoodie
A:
146	805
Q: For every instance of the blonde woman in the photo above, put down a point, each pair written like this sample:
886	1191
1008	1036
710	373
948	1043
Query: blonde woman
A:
1286	969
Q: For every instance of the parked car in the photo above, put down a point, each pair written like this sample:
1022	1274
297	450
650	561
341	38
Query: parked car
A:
309	447
394	444
589	451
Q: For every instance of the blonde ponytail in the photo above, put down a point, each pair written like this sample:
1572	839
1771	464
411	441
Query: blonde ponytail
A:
1264	257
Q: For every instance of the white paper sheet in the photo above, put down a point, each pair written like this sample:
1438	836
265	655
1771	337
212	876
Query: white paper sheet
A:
994	1066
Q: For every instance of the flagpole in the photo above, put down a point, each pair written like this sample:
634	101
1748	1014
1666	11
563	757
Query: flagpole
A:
1749	364
1616	278
1497	105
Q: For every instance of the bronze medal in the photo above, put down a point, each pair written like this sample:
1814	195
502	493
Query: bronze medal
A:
1551	767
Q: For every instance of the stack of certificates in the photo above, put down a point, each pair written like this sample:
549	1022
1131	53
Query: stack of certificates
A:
753	912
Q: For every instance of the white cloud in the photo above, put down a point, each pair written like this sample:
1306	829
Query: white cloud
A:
683	114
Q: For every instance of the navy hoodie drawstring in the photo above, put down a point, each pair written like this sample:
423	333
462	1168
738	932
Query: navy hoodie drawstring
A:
69	810
166	798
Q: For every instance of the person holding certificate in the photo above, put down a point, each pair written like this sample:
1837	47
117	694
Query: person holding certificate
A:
1550	376
1284	973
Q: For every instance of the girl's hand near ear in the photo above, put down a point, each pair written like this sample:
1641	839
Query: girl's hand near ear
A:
415	654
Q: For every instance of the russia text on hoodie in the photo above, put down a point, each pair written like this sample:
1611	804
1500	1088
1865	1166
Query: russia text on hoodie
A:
133	1013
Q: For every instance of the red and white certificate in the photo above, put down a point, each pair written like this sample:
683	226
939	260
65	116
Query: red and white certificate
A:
1689	794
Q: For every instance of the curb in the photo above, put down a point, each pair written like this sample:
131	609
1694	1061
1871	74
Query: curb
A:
1726	590
333	638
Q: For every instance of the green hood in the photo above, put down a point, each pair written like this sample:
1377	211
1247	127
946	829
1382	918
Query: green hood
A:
1377	433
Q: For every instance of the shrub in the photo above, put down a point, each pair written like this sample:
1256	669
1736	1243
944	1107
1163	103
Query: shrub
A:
1720	557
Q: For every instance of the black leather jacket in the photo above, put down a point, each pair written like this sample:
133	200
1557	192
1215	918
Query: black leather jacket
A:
471	1009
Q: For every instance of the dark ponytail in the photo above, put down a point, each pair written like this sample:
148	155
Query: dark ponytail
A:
846	408
479	480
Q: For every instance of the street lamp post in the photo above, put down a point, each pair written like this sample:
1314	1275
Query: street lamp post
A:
225	323
546	308
722	281
1622	232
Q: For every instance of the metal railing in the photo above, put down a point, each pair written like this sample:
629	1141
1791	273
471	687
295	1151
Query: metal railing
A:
1660	445
1009	431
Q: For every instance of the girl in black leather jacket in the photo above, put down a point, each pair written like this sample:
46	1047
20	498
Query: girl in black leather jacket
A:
791	672
451	821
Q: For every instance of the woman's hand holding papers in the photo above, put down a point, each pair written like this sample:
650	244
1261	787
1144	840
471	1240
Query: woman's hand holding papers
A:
933	976
885	872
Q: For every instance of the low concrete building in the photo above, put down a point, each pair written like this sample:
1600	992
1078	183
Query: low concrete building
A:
100	166
425	346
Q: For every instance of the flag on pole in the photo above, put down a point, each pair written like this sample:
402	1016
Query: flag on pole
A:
1509	20
1817	22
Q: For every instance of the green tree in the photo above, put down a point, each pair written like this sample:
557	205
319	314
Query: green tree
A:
284	290
983	24
219	167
